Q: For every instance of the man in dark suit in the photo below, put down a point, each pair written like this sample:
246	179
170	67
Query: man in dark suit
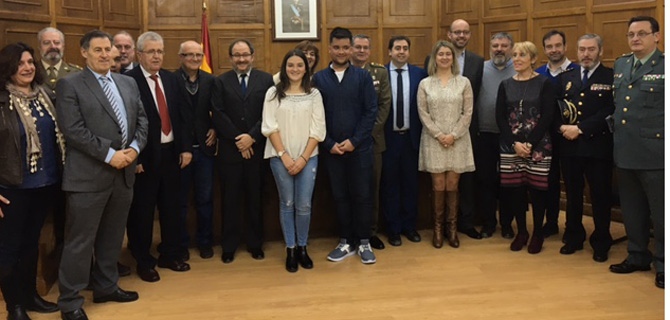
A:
238	106
586	147
105	128
168	149
124	42
198	176
400	161
639	101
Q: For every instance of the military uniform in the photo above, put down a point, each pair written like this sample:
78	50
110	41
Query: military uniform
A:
639	154
590	155
64	69
380	79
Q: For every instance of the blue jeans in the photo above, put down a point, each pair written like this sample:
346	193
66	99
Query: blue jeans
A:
295	199
198	175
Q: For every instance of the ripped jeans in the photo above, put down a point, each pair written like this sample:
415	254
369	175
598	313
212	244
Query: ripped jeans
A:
295	200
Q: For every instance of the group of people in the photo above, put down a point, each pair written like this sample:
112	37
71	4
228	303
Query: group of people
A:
489	132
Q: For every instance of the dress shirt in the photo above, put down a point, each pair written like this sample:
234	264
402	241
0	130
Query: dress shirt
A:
405	93
152	86
564	66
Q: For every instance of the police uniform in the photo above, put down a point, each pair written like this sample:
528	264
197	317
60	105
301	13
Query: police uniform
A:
64	69
380	79
590	155
638	154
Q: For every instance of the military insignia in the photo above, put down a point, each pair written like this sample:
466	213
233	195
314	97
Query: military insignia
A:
568	86
52	80
375	83
653	77
600	87
618	75
66	68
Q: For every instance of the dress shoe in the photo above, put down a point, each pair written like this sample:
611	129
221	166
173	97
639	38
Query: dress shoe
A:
471	232
40	305
549	229
519	242
377	243
291	260
123	269
119	295
394	240
571	248
228	257
148	274
304	259
507	232
174	265
17	313
206	252
600	256
627	267
660	280
412	235
487	232
78	314
257	253
536	241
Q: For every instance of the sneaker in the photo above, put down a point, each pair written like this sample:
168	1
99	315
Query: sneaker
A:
340	252
367	256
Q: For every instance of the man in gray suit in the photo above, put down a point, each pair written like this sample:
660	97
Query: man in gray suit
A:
105	127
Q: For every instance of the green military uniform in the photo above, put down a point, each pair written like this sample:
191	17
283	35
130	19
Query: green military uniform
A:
64	69
380	79
639	137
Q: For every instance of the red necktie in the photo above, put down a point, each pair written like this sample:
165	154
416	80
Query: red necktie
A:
162	107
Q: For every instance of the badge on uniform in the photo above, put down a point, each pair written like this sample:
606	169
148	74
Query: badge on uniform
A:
601	87
618	75
653	77
568	86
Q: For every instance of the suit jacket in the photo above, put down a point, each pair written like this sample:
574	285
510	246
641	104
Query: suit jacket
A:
200	112
179	119
91	128
639	115
594	103
235	113
416	74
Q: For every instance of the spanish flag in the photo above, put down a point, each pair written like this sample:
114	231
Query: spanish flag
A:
207	60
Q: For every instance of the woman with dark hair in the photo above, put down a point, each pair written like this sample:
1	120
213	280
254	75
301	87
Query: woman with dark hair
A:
524	112
312	54
294	122
33	150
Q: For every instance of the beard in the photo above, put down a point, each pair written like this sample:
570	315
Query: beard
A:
499	60
53	56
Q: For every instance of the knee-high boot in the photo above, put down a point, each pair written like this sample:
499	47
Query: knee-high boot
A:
452	213
438	216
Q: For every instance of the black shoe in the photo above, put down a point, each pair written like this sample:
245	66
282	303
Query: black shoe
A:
600	256
412	235
148	274
257	253
487	232
291	260
304	259
78	314
119	295
376	243
394	240
571	248
174	265
123	269
507	232
206	252
228	257
627	267
549	229
471	232
40	305
660	280
17	313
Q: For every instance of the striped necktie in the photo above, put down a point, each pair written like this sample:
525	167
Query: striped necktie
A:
106	87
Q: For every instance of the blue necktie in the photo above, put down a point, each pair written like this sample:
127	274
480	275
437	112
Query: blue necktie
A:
243	83
117	109
585	79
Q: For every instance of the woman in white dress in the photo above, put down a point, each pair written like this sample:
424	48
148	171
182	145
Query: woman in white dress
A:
445	108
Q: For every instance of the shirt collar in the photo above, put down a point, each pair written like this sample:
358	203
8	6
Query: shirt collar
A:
147	74
644	59
393	67
564	66
56	66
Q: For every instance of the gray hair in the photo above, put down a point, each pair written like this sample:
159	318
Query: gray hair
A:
588	36
147	36
503	35
362	36
50	29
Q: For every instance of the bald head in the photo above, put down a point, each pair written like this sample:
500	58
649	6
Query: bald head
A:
190	56
459	34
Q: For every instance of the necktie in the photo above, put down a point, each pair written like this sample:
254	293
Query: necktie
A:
400	102
166	127
585	78
243	83
51	72
106	87
637	66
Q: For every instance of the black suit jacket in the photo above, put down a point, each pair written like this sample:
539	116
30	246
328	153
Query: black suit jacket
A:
151	156
416	74
199	113
594	103
235	113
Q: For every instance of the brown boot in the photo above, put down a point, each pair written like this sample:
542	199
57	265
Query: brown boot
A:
438	215
452	212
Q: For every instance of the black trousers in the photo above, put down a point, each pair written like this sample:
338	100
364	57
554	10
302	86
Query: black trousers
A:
487	178
554	191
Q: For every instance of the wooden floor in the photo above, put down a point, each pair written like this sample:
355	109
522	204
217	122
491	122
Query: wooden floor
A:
482	279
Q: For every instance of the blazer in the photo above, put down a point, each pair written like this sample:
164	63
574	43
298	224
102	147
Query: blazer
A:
639	115
179	119
416	74
594	102
235	113
91	128
200	113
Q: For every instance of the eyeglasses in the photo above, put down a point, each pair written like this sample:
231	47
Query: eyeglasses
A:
154	52
192	55
240	56
364	48
641	34
461	32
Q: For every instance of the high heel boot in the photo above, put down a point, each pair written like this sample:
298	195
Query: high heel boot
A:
438	216
291	260
452	213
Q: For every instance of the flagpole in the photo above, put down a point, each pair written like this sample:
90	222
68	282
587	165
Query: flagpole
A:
206	49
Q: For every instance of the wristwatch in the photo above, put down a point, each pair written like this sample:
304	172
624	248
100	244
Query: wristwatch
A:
280	153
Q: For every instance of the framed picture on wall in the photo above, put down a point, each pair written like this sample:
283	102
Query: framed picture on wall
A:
295	20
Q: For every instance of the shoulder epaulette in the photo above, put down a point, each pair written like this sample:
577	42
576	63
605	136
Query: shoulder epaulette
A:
377	65
626	55
72	65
